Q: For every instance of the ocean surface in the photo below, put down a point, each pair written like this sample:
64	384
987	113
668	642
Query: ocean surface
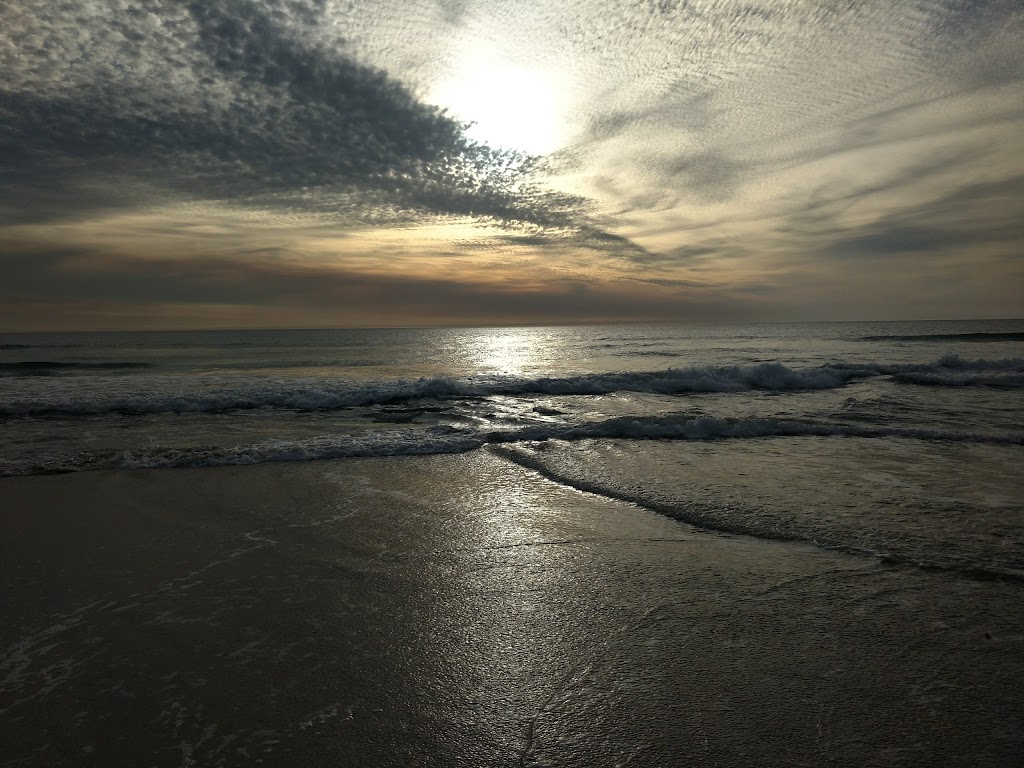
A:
897	440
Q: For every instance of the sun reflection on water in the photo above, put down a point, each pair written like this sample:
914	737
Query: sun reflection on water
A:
525	352
509	352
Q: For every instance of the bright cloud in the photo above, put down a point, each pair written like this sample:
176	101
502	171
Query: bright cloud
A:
723	158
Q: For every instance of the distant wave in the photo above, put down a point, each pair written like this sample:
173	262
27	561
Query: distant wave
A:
943	364
328	395
46	346
647	353
978	337
447	439
948	371
51	368
155	344
1011	380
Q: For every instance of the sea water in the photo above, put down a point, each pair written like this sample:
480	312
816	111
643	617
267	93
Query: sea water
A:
902	441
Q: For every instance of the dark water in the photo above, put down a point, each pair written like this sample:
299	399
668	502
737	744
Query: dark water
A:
897	439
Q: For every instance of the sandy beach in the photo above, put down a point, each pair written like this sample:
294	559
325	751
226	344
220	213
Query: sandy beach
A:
465	611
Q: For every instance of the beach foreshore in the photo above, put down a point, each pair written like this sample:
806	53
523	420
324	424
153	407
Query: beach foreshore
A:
466	611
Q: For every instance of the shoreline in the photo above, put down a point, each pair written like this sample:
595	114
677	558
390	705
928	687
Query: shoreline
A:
463	610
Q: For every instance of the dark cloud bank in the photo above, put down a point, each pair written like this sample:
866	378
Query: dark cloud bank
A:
288	293
230	100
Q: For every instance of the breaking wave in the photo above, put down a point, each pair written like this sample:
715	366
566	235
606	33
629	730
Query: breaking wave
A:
447	439
326	395
319	395
944	364
948	371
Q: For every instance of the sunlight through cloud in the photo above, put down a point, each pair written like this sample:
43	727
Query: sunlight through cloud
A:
511	105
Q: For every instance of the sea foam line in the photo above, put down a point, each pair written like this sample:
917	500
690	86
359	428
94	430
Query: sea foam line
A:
447	440
703	515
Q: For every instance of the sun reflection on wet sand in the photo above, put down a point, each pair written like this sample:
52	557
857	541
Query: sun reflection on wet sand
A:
514	565
462	610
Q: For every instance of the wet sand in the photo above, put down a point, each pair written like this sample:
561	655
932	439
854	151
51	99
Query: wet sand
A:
465	611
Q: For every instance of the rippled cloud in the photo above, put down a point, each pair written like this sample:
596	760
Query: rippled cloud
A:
107	103
772	159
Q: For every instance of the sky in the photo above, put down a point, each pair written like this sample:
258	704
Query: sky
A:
347	163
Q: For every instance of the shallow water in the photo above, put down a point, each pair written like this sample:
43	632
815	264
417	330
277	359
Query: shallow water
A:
913	431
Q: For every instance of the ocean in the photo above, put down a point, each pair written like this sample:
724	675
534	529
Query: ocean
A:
773	545
901	440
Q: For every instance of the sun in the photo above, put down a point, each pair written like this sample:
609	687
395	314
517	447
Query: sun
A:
510	105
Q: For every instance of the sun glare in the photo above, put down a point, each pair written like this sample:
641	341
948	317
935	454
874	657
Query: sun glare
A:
503	351
510	105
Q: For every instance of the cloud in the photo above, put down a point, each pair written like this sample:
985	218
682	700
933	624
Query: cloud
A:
741	143
893	240
973	215
730	103
232	100
710	176
341	296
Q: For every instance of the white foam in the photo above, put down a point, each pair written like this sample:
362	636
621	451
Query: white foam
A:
318	394
446	439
